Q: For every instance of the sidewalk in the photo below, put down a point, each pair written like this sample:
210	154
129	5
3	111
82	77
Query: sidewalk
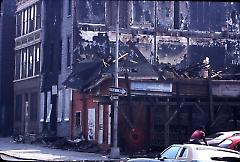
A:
40	152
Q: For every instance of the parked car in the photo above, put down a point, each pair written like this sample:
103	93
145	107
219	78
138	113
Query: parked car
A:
231	143
192	152
216	138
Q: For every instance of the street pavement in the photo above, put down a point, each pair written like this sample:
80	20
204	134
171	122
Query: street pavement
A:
12	150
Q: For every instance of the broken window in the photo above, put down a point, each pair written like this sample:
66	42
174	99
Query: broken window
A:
18	24
207	16
91	11
176	15
143	13
68	51
30	61
25	20
78	119
17	64
69	7
172	51
31	18
24	63
27	62
38	15
37	60
166	12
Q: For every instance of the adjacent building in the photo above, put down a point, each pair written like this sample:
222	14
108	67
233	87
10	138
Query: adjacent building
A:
28	64
7	34
43	40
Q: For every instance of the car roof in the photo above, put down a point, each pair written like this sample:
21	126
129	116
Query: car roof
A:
224	134
197	146
235	138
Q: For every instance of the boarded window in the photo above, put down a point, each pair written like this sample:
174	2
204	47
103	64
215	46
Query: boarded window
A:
78	119
60	105
33	106
49	106
42	107
68	99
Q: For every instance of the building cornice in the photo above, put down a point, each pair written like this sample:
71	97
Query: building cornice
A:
22	4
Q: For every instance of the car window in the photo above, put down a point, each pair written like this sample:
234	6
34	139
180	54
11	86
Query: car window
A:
171	152
236	134
183	153
237	147
225	143
215	135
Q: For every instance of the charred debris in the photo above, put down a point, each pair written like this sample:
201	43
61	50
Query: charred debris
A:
101	63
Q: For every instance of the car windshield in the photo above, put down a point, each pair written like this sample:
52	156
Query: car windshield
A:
215	135
171	152
225	143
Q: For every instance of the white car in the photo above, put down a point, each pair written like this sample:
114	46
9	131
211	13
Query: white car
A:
216	138
193	153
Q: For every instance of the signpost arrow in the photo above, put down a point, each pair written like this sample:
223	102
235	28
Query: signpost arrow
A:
117	91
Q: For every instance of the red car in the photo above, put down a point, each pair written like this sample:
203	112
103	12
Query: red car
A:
231	143
216	138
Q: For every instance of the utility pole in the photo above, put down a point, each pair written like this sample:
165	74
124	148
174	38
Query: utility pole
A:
115	152
155	34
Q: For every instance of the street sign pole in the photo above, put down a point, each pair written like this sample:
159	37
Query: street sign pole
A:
115	152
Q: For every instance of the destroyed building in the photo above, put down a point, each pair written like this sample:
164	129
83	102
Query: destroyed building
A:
183	41
178	61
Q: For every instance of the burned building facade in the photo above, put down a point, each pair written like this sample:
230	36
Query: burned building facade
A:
167	34
7	32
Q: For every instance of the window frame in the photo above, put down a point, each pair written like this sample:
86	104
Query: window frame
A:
69	8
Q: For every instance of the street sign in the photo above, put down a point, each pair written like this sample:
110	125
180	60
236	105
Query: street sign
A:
117	91
114	98
128	69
